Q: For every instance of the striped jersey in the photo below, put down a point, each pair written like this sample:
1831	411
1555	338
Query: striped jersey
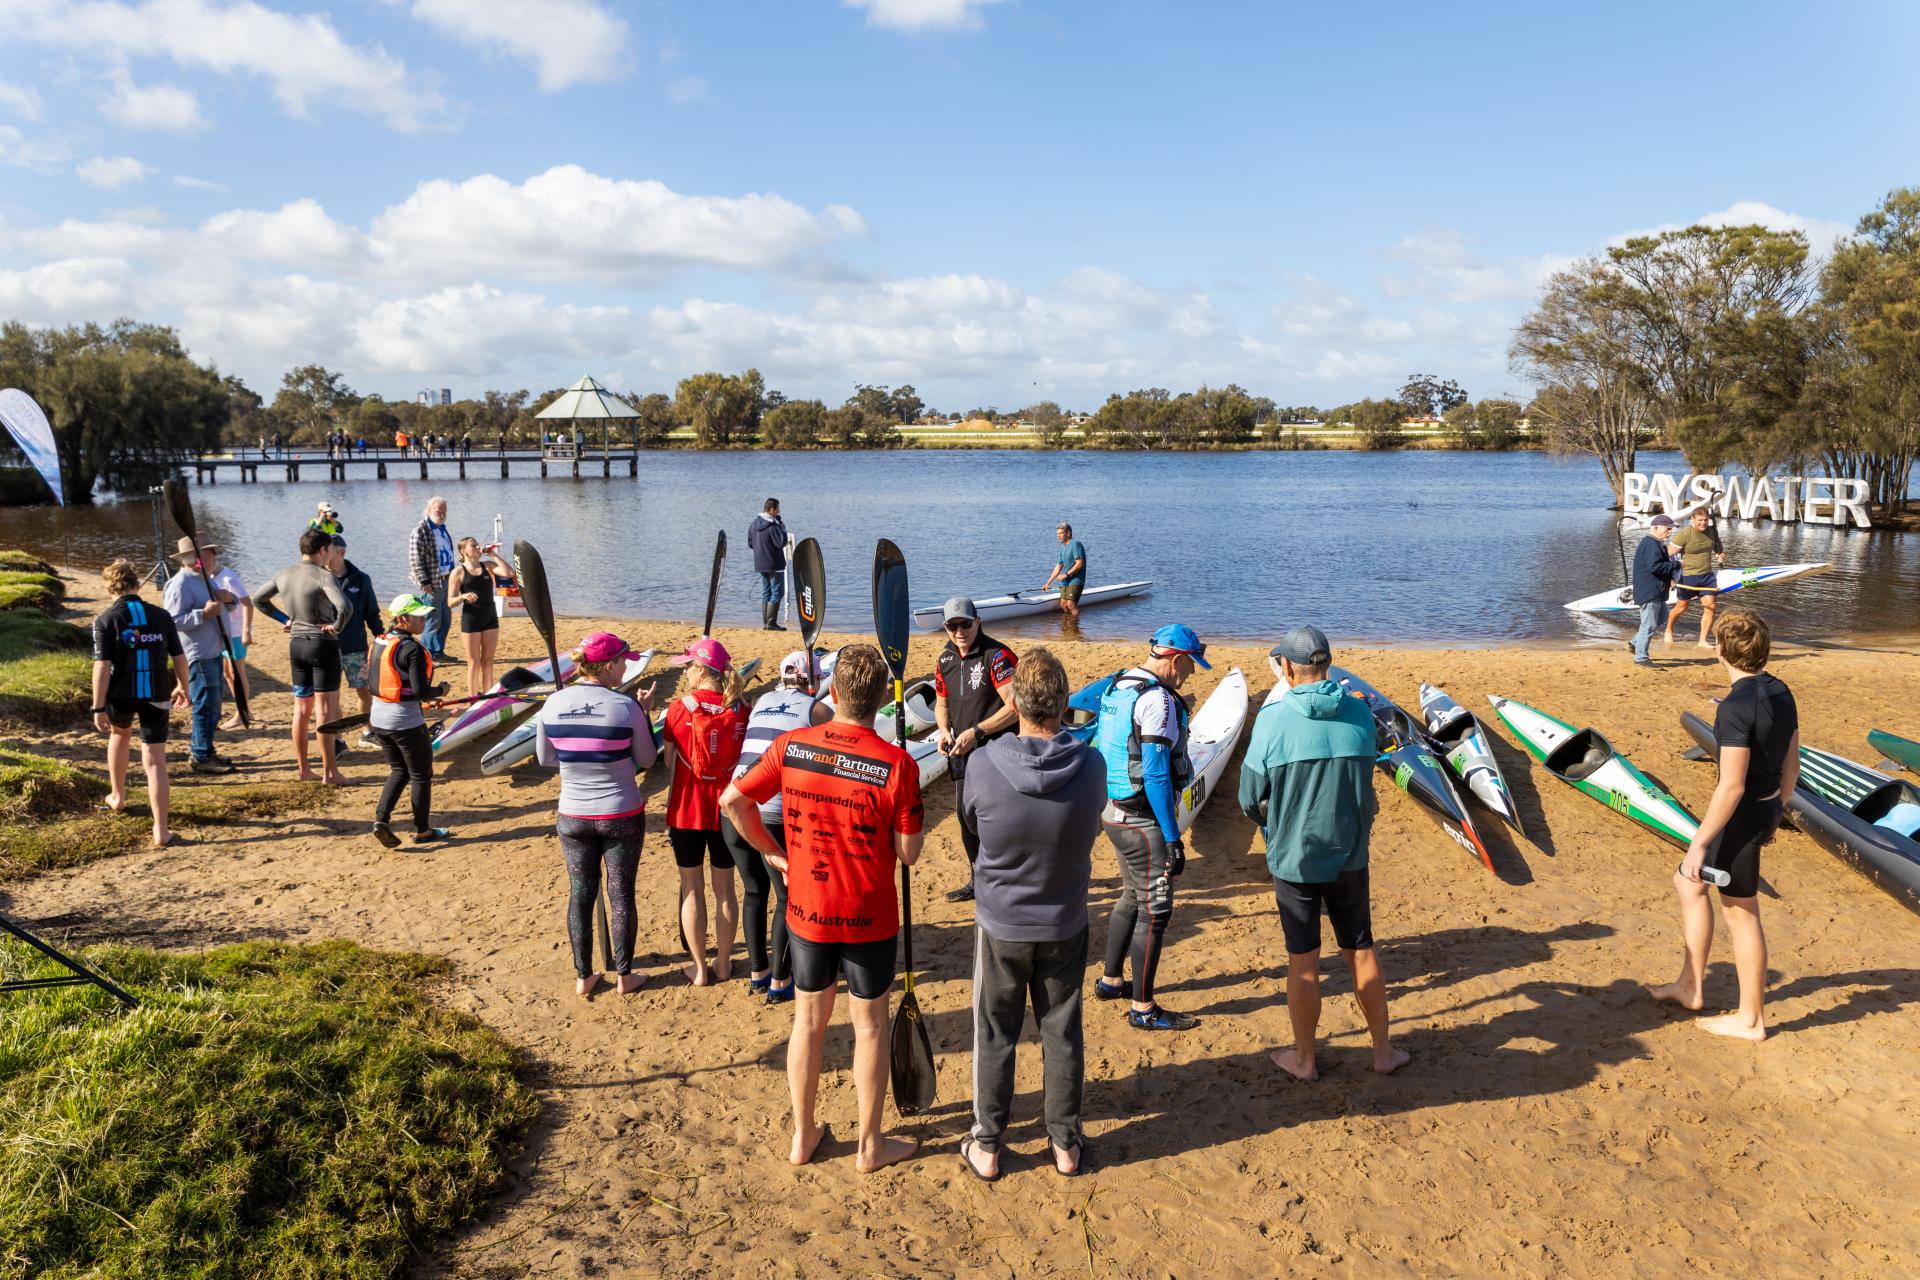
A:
600	740
774	714
140	641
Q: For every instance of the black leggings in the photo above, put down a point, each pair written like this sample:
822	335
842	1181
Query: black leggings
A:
409	764
760	877
586	844
1145	905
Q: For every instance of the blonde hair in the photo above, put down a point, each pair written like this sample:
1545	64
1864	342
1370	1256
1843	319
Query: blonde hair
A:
1745	640
1040	687
120	578
460	547
607	673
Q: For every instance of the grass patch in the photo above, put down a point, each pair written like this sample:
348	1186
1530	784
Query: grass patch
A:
42	591
23	562
269	1111
48	838
46	671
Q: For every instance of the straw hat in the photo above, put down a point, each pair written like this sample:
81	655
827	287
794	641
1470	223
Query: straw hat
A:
186	549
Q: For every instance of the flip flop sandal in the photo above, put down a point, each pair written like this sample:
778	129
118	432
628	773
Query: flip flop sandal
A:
1079	1165
968	1144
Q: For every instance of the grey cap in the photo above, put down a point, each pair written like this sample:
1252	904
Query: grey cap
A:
1662	519
1304	646
960	607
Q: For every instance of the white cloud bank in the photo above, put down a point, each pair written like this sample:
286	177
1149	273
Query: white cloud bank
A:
158	106
922	15
567	42
111	173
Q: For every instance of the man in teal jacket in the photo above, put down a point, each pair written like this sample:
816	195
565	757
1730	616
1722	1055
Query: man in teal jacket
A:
1308	783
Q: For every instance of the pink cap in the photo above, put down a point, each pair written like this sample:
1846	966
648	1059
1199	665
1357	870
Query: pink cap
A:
604	646
706	651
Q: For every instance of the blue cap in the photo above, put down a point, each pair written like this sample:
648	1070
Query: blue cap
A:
1178	637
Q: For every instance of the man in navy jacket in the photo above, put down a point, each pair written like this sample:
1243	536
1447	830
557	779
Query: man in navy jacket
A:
1653	570
767	535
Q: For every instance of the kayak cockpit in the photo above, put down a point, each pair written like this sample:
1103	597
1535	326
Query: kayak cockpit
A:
1580	756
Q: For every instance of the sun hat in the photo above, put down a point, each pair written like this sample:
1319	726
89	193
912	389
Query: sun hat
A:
1178	637
706	651
187	551
604	646
325	508
410	604
1304	647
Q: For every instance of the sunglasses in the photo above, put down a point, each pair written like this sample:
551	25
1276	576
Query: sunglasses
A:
960	624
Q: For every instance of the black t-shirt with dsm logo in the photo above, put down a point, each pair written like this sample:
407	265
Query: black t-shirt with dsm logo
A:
141	642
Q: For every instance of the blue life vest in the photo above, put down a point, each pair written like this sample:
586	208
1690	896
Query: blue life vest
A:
1118	738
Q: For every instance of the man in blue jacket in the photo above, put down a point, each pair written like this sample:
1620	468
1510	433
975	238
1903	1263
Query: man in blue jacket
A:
767	535
1653	571
1308	783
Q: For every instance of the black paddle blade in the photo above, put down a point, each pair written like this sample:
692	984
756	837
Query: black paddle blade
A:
180	506
892	615
713	583
810	585
914	1080
534	593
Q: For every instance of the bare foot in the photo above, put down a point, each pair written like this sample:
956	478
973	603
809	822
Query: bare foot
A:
1703	645
631	982
1288	1060
308	775
805	1143
1392	1061
698	975
723	968
587	988
338	779
172	838
889	1151
1667	639
1674	993
114	804
1732	1024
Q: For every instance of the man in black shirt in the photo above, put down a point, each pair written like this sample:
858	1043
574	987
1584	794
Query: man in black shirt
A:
139	673
1758	733
972	703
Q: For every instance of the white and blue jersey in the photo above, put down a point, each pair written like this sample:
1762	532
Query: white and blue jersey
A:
778	711
1142	737
600	740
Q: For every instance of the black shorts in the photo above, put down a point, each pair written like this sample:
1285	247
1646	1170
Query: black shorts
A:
867	965
691	848
1347	904
315	661
1686	580
151	715
1736	850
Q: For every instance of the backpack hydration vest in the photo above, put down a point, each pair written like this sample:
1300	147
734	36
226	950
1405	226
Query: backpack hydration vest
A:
1118	738
713	739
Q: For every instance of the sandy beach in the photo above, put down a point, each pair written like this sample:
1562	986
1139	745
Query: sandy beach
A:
1553	1121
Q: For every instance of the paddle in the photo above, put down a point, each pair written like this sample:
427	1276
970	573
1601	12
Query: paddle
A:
713	583
182	508
914	1080
537	596
810	584
537	692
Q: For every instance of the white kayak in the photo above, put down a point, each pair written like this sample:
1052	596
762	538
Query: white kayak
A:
1211	736
1023	604
919	708
518	745
501	708
1620	599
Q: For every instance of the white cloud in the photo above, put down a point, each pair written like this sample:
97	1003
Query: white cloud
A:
302	57
64	292
567	41
1442	265
16	148
300	232
21	99
466	330
1821	233
121	239
156	106
112	173
197	184
684	89
921	15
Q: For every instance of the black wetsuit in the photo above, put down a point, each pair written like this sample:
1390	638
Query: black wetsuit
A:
1759	713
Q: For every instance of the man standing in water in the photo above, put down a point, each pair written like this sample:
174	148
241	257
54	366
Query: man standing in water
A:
972	704
852	806
767	536
1698	546
1653	570
1070	570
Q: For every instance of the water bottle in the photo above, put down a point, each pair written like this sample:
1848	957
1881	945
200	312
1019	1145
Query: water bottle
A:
1713	876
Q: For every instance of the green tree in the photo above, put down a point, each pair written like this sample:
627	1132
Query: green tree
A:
313	399
1498	420
1049	420
723	409
1463	425
793	424
374	421
657	418
907	405
1378	422
1425	396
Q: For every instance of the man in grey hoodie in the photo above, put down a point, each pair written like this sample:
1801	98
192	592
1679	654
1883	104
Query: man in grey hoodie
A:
1035	797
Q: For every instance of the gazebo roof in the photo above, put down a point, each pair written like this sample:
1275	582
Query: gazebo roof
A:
588	399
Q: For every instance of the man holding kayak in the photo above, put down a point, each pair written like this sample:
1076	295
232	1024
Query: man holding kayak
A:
1142	737
1653	571
1070	571
1698	546
972	704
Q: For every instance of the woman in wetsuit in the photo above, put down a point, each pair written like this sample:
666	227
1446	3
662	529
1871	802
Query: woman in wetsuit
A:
472	583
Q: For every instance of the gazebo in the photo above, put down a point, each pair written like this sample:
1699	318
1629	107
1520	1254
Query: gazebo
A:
588	400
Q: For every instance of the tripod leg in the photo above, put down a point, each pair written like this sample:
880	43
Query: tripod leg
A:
82	974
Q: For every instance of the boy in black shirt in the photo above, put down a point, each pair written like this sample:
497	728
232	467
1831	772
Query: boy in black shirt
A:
1758	733
139	673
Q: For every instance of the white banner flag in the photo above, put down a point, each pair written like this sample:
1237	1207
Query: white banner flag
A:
34	433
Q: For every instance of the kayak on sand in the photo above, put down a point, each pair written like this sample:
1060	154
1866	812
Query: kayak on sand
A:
1587	762
518	745
1023	604
1462	741
500	708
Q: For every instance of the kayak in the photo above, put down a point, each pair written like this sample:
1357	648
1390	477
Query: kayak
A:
1620	599
1407	757
499	709
1904	752
1022	604
1586	761
1861	816
1463	744
919	707
1083	709
1211	736
932	761
518	745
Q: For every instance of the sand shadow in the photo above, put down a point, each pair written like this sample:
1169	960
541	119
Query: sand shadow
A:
1517	767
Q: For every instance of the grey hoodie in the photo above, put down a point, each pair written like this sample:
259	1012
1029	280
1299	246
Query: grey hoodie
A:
1036	803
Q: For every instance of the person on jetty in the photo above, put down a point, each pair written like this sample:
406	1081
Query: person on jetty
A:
139	674
1700	552
1757	731
767	537
1070	571
430	559
362	621
316	608
402	683
852	801
1142	737
972	705
791	705
473	580
1653	572
1036	799
704	729
601	740
198	617
1307	783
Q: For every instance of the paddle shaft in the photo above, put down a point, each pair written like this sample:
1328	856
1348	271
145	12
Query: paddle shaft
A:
713	583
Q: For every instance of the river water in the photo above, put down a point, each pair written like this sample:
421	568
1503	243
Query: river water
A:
1427	546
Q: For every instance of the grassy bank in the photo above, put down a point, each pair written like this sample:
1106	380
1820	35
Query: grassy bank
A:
46	669
269	1111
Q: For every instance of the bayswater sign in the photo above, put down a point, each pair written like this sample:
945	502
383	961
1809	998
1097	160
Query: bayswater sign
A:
1807	499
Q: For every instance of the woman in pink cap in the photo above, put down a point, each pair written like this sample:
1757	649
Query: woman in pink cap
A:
705	728
600	739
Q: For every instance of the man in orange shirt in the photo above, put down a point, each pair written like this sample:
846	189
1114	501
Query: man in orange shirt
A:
852	807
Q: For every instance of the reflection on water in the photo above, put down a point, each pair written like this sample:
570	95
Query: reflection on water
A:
1428	546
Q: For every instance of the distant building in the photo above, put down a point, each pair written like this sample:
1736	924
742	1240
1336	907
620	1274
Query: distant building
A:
425	397
446	395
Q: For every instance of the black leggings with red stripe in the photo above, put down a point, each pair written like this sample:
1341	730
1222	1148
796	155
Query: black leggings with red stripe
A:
1138	924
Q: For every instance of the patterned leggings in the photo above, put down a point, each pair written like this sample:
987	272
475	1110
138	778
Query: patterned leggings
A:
587	843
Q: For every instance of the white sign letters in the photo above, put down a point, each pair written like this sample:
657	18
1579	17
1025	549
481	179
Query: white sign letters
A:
1808	499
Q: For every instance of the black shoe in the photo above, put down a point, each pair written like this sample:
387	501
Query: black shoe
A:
1158	1019
963	894
217	758
780	995
446	660
1101	991
212	765
384	834
774	626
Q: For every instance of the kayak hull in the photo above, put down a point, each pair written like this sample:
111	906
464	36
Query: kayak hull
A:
483	717
1588	763
1083	709
518	745
1904	752
1211	736
1024	604
1466	747
1620	599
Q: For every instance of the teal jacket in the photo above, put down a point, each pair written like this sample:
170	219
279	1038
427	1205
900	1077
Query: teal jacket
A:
1308	782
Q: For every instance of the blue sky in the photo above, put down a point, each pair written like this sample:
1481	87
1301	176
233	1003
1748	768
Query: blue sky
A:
1000	202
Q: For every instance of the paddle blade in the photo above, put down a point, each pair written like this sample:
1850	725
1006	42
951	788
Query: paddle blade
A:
534	593
810	586
914	1079
713	583
180	506
892	616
